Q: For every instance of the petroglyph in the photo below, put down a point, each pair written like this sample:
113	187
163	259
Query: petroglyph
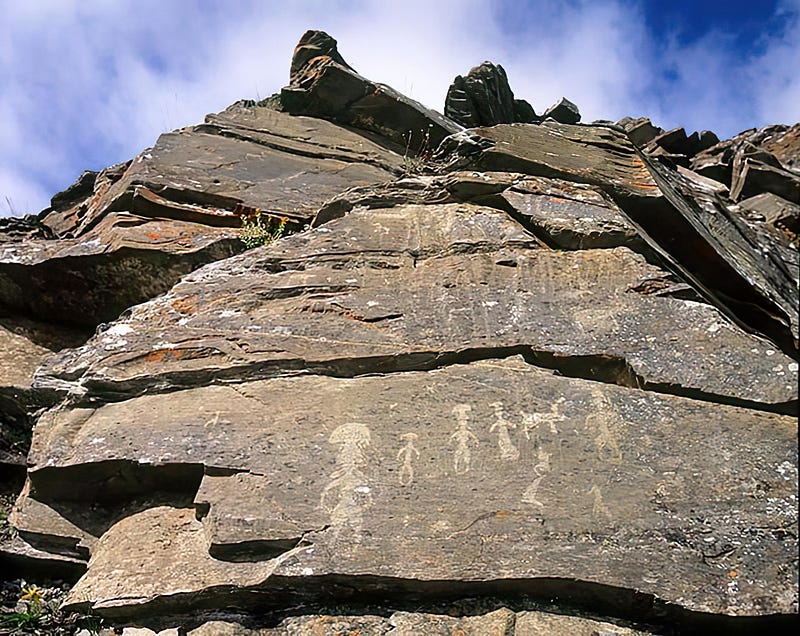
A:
407	454
604	420
508	451
463	438
532	421
599	508
349	485
541	469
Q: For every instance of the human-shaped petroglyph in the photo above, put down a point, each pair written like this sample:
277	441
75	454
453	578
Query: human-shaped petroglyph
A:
407	454
508	451
540	469
604	420
599	507
463	437
532	421
348	493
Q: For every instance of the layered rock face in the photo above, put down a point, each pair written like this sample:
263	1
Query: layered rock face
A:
544	382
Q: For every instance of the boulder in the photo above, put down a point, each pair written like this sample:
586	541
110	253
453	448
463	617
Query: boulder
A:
484	98
563	111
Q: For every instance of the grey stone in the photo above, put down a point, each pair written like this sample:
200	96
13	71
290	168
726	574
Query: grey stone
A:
484	98
656	485
563	111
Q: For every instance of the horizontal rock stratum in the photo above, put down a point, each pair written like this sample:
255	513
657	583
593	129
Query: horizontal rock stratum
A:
527	377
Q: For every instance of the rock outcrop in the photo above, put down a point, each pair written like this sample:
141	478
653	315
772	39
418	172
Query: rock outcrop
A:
543	381
484	98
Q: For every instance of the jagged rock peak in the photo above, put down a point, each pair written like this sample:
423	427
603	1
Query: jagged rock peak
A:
312	45
484	98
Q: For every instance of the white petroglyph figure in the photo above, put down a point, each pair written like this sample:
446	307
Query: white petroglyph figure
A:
348	484
599	507
407	454
532	421
463	437
508	451
541	469
604	421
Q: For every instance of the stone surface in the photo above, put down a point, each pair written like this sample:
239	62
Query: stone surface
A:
121	261
407	287
484	98
685	222
640	131
662	496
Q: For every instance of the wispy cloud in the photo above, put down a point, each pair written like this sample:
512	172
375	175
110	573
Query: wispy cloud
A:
87	83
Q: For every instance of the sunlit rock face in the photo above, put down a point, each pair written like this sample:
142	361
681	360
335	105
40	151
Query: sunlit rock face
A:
501	375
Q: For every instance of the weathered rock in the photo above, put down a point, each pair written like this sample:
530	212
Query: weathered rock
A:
674	141
323	86
713	249
123	260
782	143
561	214
775	211
467	401
755	177
408	287
23	346
652	481
563	111
640	131
484	98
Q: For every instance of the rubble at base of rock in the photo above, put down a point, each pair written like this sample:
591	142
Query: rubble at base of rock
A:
509	374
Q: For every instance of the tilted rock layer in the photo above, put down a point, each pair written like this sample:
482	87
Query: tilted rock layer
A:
541	381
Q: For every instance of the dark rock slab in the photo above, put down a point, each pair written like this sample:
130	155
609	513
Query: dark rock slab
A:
123	260
494	476
563	111
484	98
753	177
414	287
323	86
712	246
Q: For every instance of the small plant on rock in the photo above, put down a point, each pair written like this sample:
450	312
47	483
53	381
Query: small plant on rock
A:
415	162
260	229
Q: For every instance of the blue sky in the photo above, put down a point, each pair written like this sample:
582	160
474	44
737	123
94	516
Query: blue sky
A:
88	83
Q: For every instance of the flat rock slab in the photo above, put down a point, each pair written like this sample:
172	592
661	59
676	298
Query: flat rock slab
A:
595	155
123	260
572	216
246	158
414	287
493	476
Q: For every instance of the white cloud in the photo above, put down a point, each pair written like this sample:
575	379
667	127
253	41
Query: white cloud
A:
88	83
